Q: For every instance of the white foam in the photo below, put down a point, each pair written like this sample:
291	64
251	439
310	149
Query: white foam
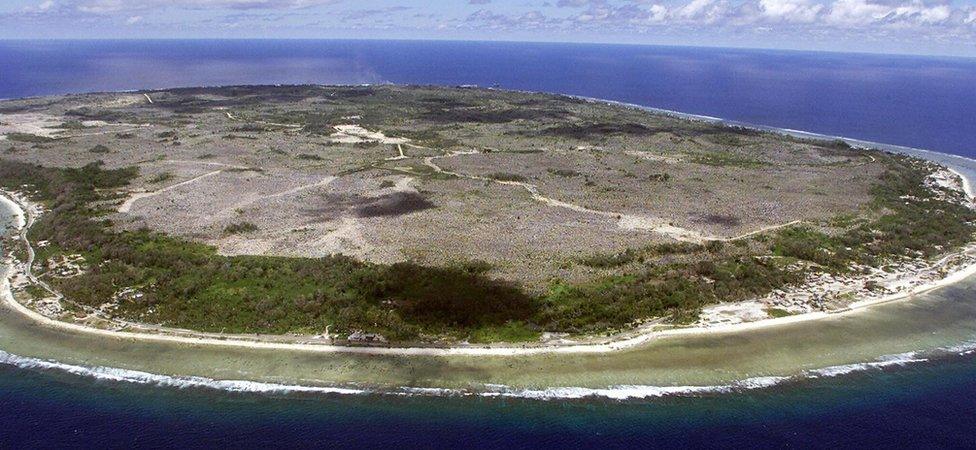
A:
626	392
139	377
900	359
962	349
619	392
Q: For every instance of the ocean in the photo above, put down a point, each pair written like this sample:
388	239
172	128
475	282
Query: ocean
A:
921	102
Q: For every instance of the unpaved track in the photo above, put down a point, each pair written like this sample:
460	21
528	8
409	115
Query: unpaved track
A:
127	204
625	221
229	210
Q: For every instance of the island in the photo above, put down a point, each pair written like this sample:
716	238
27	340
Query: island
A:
403	217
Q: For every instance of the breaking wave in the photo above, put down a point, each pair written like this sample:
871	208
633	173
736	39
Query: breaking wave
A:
627	392
619	392
900	359
146	378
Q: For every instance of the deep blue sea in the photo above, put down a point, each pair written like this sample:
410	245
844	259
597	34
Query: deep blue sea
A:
911	101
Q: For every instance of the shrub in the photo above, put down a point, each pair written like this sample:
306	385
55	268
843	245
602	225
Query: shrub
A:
504	176
240	228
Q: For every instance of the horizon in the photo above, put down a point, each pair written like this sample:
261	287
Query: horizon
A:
506	41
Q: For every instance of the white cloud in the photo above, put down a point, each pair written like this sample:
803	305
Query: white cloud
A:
799	11
657	13
704	11
133	20
111	6
904	14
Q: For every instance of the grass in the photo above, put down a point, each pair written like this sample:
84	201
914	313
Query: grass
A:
565	173
508	332
727	159
240	228
161	177
777	312
28	138
504	176
72	125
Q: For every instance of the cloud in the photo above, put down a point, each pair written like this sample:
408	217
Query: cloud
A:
112	6
705	12
794	11
366	13
855	21
855	12
696	20
896	14
579	3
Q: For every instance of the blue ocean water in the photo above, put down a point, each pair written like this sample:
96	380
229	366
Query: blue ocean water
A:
912	101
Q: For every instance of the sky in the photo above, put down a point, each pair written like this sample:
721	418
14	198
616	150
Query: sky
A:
935	27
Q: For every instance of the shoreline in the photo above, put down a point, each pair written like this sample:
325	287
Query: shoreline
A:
25	216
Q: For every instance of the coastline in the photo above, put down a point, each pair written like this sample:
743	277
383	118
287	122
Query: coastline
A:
25	216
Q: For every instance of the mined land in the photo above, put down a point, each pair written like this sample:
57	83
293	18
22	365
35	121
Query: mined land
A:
424	214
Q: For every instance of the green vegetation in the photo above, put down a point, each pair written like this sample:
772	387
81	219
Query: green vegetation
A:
678	290
99	149
509	332
600	131
727	159
161	177
504	176
728	139
640	255
565	172
777	312
240	228
28	138
72	125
